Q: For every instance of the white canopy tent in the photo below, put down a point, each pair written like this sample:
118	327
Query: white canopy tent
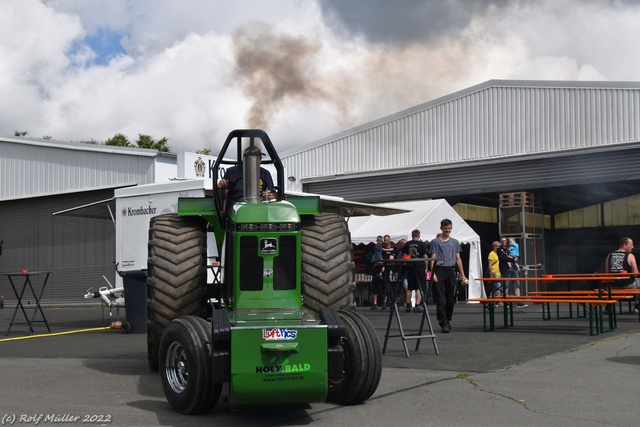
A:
425	216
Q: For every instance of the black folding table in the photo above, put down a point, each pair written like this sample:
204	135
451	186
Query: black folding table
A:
21	295
394	309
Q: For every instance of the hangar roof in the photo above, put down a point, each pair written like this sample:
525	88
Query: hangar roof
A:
574	143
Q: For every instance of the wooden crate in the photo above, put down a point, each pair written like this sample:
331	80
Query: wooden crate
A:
521	198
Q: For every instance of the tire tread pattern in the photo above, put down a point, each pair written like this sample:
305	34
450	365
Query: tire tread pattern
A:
327	263
176	283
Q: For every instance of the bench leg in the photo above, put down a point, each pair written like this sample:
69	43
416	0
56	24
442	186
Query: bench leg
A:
596	317
613	318
591	321
484	316
505	314
546	311
488	310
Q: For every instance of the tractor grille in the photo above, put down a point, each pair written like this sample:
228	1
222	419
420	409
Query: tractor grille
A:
284	264
251	274
286	226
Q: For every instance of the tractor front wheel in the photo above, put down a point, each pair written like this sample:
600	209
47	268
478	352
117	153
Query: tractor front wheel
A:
186	367
362	361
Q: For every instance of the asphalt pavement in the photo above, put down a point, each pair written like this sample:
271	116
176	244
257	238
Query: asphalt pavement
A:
542	373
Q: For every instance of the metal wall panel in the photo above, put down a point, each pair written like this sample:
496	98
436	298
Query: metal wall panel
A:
493	120
44	168
79	251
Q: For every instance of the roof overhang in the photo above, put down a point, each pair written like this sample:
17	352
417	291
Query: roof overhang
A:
563	181
103	209
348	208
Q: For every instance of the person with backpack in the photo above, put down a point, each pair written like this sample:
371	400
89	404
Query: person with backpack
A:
415	272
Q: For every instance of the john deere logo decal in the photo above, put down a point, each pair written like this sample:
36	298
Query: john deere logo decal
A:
268	245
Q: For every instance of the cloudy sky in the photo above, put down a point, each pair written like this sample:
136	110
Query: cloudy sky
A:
192	70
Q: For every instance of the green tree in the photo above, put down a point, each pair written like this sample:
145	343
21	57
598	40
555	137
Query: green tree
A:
204	151
20	133
146	141
118	140
47	137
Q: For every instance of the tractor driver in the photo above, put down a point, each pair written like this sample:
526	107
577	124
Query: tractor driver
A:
232	184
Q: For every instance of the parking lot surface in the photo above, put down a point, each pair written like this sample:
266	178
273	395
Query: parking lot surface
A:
542	373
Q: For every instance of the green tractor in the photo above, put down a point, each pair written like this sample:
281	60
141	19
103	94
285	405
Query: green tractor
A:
256	296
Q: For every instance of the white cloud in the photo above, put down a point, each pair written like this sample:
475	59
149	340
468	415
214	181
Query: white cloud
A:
178	77
179	93
95	14
33	42
556	68
593	39
150	26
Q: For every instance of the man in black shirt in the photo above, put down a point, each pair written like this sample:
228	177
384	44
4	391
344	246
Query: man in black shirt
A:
508	269
622	260
415	271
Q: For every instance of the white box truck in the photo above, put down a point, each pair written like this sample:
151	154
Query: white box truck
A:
134	207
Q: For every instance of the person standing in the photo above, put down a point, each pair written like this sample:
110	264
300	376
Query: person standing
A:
400	274
377	249
493	267
387	248
623	260
447	251
415	271
387	253
508	271
376	279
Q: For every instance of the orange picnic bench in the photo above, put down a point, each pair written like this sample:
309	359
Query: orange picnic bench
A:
592	302
621	295
594	306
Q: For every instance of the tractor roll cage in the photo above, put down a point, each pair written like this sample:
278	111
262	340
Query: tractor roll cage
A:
272	157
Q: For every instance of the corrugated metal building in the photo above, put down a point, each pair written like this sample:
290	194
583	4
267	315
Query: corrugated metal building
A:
498	136
40	177
572	144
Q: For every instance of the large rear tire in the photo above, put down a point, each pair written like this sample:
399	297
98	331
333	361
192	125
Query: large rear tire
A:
176	275
185	366
327	263
362	361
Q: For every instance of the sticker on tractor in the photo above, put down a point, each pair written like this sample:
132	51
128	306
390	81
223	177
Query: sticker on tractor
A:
296	367
279	334
267	273
268	245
